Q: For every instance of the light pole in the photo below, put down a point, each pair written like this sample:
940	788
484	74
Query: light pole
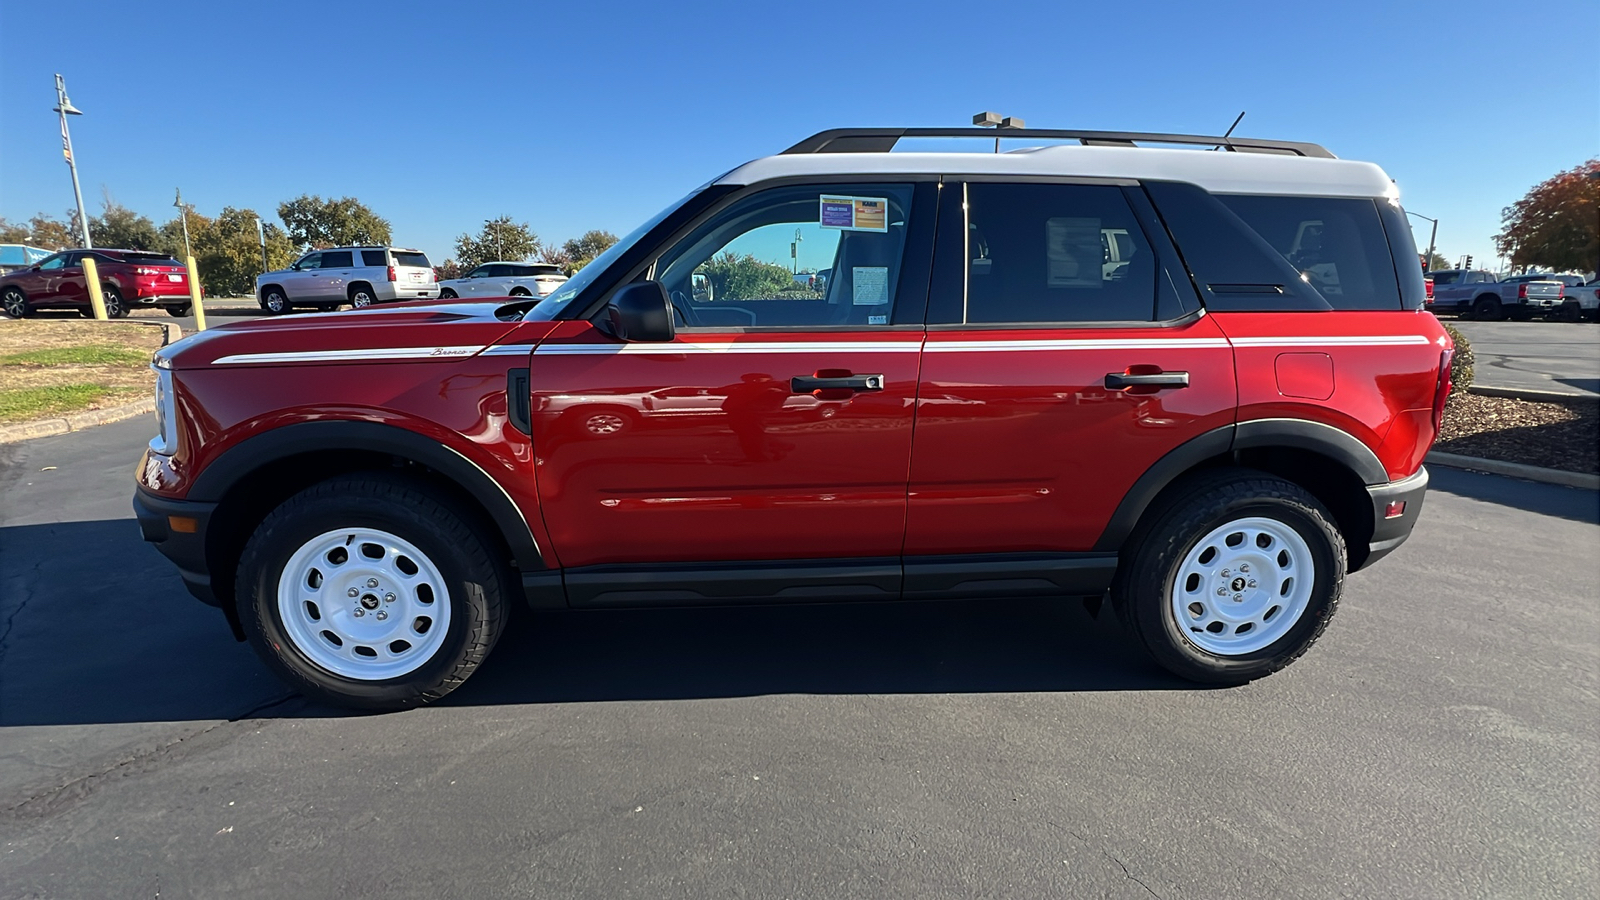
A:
183	212
794	251
995	121
1427	266
65	108
261	235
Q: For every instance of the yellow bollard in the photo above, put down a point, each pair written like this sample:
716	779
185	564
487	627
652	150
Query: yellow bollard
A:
194	296
91	284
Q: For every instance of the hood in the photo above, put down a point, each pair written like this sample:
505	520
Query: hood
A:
424	333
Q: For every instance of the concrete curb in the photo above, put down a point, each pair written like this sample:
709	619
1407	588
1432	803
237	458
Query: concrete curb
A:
1515	470
75	422
1531	396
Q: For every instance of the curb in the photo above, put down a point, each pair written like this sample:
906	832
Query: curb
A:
1515	470
75	422
1530	396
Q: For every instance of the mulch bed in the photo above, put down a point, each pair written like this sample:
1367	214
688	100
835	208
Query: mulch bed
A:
1553	435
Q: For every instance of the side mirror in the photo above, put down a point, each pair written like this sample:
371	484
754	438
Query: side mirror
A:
640	312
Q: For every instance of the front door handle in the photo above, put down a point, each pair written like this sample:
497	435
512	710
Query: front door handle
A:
806	384
1121	381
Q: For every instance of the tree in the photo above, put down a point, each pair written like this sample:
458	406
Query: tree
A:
581	251
314	222
447	270
11	233
1557	225
121	228
228	252
734	277
500	239
40	231
1438	262
557	257
171	234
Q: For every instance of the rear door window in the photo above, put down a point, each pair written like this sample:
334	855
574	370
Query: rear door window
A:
1338	245
1441	279
375	258
337	259
412	258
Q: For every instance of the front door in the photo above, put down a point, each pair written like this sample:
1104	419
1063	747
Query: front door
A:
1066	353
301	282
777	424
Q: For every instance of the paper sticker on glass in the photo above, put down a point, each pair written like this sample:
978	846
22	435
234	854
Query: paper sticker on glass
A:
854	213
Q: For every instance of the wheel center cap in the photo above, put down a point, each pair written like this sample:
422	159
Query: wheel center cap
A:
369	601
1238	585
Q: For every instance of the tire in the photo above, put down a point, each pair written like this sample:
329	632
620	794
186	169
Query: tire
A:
519	292
447	294
15	303
1487	309
180	311
447	613
362	296
1166	590
275	301
115	307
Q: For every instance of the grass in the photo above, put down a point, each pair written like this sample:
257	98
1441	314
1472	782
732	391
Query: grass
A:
56	367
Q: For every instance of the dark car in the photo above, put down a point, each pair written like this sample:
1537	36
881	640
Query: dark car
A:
128	279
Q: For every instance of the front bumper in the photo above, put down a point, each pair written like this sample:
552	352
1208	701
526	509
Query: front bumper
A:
1389	533
186	548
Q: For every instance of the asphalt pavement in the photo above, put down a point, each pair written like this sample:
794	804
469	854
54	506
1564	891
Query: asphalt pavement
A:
1563	357
1442	740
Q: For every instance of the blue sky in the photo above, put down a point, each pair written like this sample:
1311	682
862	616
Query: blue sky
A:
594	115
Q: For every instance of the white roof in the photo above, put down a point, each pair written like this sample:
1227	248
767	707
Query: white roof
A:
1220	172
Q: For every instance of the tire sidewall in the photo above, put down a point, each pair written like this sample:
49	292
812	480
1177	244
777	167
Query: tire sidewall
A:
283	305
262	568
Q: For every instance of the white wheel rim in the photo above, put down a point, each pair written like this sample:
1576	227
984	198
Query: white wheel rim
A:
1243	586
361	300
403	616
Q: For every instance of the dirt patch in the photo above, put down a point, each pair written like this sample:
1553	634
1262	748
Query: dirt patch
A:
52	368
1562	436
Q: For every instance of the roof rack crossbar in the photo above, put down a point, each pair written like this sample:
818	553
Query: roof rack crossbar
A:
882	140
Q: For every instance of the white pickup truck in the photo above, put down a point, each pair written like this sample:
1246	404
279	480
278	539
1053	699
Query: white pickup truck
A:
1580	300
1484	296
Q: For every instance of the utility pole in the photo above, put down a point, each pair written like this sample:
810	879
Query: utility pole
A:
65	108
794	251
1427	266
183	212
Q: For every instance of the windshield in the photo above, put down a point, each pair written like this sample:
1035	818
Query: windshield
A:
552	305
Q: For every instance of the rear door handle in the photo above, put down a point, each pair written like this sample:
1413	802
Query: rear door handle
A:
1121	381
805	384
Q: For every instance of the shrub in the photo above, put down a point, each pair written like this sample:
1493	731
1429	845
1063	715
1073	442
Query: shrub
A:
1461	363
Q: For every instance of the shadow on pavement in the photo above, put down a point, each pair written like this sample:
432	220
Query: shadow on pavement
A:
1545	499
1592	385
122	641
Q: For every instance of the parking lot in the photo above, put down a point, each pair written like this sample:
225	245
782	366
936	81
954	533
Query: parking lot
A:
1442	741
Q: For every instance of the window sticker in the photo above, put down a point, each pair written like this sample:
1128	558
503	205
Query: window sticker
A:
1073	252
869	285
877	320
854	213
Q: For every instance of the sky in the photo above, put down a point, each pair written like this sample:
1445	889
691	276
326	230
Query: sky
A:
595	115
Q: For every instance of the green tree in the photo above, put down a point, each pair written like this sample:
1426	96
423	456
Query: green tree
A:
171	235
1557	225
734	277
581	251
43	232
121	228
228	252
314	222
1438	262
447	270
500	239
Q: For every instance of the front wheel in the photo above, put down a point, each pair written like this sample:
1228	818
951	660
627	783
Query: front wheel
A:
368	591
16	303
1233	578
275	302
1487	309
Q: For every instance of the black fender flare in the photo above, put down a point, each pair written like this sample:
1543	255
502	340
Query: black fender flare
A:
1302	434
239	461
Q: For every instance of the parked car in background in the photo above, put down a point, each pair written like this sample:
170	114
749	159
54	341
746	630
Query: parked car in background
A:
359	276
1482	295
1581	300
505	279
20	256
128	279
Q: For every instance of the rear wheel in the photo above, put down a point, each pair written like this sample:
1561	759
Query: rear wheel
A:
519	292
180	311
369	591
115	307
447	294
361	296
1233	579
1487	309
15	303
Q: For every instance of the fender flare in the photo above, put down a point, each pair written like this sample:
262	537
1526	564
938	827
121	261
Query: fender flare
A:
246	457
1301	434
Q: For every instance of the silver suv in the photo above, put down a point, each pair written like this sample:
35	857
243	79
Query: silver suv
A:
359	276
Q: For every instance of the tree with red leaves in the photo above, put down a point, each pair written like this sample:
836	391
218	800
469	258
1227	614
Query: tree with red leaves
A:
1557	225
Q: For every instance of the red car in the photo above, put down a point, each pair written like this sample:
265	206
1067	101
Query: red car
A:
130	279
1194	383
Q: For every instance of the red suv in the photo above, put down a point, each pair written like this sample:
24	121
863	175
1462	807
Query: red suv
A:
129	279
1199	384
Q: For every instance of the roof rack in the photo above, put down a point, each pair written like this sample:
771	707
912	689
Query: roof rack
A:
882	140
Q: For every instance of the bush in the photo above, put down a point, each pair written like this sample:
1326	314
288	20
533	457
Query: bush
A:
1461	363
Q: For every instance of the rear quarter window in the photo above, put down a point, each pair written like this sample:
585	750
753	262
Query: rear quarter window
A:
1338	245
412	258
374	258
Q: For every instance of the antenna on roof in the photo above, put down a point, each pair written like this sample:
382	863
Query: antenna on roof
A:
1225	134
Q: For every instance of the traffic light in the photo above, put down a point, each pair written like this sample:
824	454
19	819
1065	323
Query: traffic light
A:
1469	261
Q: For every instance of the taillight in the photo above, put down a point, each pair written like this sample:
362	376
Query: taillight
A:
392	275
1522	291
1429	285
1441	389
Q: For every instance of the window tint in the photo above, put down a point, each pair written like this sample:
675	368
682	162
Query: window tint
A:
797	256
540	269
411	258
1337	245
54	262
1443	278
374	258
337	259
1056	253
150	259
500	271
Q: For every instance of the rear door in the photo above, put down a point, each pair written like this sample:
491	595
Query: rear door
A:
775	426
333	278
1055	373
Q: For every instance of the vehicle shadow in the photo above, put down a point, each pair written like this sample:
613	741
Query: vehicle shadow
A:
1576	504
119	640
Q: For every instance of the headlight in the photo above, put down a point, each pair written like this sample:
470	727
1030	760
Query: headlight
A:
166	440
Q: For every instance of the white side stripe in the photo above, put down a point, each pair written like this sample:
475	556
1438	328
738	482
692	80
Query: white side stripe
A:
508	350
1381	340
1086	344
456	352
691	348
